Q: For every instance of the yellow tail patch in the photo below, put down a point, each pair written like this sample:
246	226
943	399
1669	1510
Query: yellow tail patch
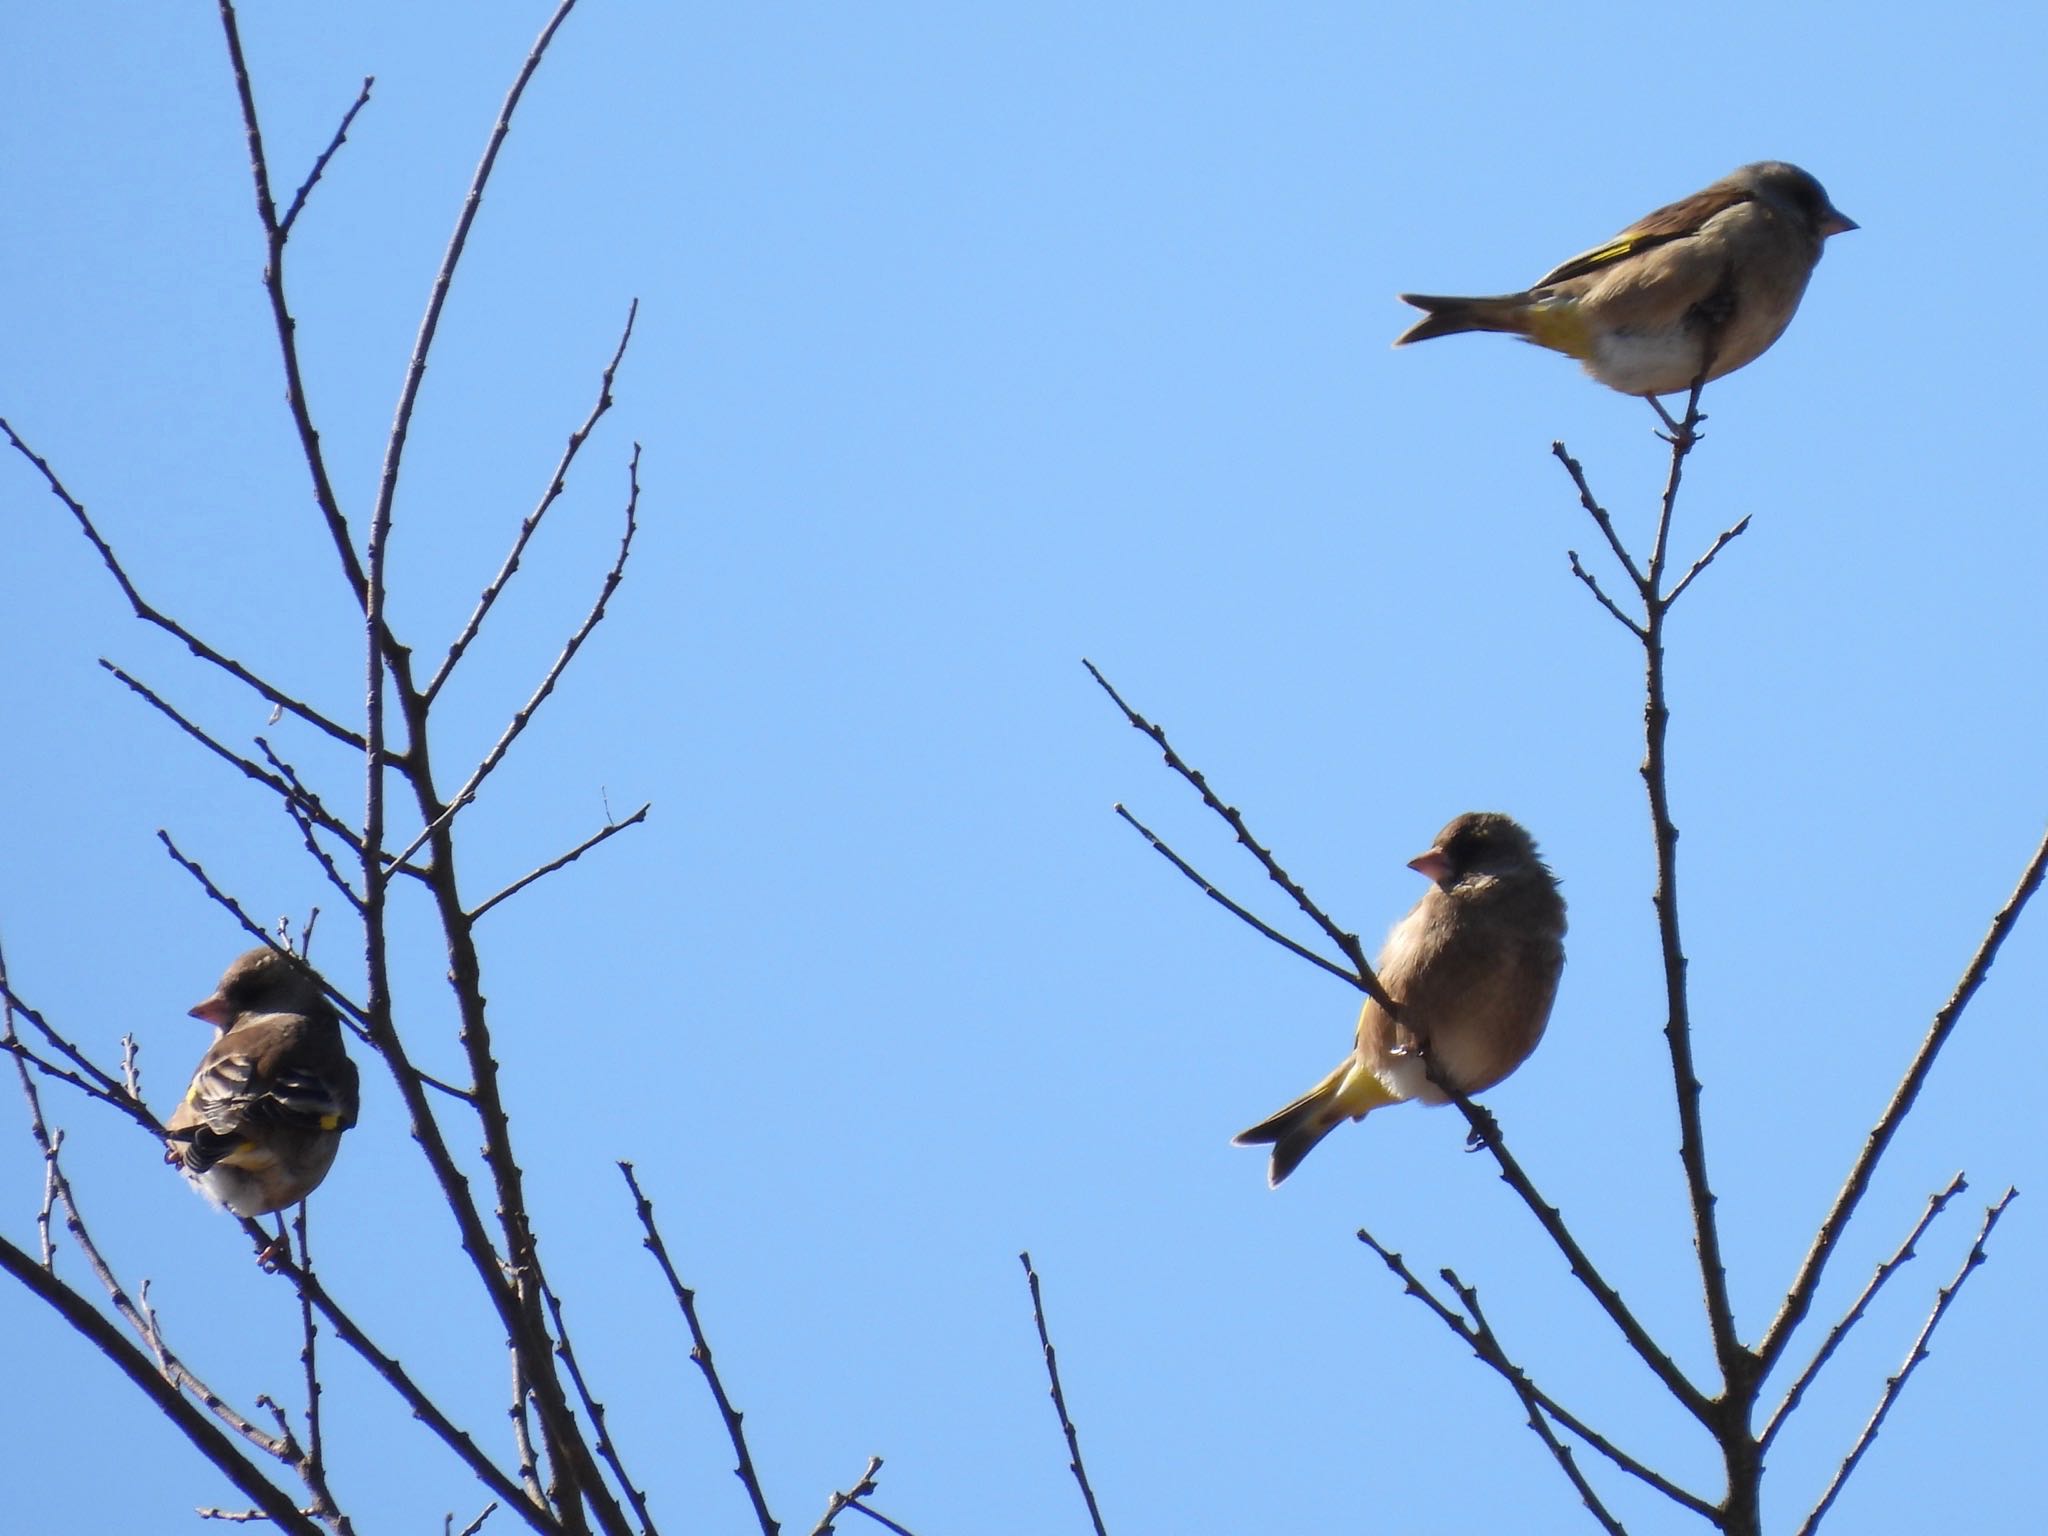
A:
1558	325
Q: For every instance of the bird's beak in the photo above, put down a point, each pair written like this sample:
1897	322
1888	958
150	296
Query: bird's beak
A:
1433	864
214	1010
1837	223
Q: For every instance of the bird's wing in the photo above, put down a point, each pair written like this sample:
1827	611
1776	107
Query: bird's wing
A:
267	1069
1672	222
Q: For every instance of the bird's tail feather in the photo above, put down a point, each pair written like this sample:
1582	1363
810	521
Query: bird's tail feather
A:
1346	1094
1449	316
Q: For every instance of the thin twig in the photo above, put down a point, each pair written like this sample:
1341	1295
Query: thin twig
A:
299	805
148	614
532	521
1599	514
286	327
611	829
1489	1351
1895	1384
1208	888
1936	1203
1606	602
227	754
206	1437
1728	536
313	1467
1059	1400
1739	1370
860	1508
422	1407
1800	1297
700	1352
298	203
1469	1295
1346	942
862	1487
605	1448
523	716
1487	1130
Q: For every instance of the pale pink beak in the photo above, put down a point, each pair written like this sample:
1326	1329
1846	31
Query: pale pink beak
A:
1433	864
1837	223
214	1010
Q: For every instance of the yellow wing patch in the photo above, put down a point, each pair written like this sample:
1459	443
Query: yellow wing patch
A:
1613	251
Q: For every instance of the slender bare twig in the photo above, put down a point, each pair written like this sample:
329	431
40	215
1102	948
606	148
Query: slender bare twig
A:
1059	1400
478	1523
611	829
296	806
287	328
523	716
298	203
1488	1349
220	897
207	1438
1739	1368
118	1097
535	1514
144	611
522	1431
1936	1203
1896	1384
532	520
862	1487
1800	1297
1561	1452
1600	594
1163	849
228	755
861	1508
1598	513
313	1467
1346	942
700	1352
1486	1130
605	1449
1728	536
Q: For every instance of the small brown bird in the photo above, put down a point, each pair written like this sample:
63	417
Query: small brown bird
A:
1474	968
259	1127
1706	283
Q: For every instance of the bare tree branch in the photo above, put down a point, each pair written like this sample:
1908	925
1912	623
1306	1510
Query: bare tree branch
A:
700	1352
862	1487
1059	1399
1208	888
206	1438
591	1406
1486	1131
1489	1350
149	614
1537	1422
1800	1297
1896	1384
1346	942
1936	1203
298	203
523	716
532	520
611	829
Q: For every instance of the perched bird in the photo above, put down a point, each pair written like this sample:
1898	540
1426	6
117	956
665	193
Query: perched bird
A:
1705	284
258	1128
1474	969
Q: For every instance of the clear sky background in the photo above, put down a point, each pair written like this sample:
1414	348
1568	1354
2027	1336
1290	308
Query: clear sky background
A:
973	340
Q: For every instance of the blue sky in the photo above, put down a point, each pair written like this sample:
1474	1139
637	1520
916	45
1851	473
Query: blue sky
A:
974	340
